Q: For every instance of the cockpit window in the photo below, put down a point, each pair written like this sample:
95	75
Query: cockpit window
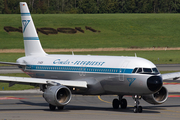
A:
134	71
139	70
146	70
155	70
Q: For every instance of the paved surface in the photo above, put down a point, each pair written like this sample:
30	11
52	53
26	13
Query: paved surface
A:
34	107
30	105
9	69
168	67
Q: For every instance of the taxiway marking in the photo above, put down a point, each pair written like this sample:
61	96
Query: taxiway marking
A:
11	98
171	83
99	97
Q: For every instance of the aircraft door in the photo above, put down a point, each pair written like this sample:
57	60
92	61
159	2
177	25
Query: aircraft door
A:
122	70
82	71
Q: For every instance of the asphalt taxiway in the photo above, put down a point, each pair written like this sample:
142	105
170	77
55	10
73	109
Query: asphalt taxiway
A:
30	105
34	107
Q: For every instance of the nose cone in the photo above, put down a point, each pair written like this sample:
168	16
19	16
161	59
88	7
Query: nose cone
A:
154	83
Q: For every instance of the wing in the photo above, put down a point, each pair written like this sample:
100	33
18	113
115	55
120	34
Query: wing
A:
173	76
31	81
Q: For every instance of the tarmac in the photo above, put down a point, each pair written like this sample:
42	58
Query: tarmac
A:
34	107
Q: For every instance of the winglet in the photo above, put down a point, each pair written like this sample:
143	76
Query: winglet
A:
32	43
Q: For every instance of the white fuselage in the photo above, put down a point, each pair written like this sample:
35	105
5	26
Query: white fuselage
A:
104	74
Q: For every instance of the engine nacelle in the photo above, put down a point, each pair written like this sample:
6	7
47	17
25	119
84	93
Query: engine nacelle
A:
57	95
158	97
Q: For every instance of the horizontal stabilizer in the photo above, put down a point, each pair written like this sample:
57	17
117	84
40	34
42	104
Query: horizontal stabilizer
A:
11	63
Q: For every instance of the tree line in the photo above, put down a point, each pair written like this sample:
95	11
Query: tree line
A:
91	6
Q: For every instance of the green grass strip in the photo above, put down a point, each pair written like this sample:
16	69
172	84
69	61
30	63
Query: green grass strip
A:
157	57
117	30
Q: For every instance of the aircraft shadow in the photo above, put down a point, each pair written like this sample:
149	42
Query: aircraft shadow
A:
68	108
32	103
162	107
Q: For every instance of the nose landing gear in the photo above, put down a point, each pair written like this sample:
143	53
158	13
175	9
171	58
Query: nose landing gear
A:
137	108
123	103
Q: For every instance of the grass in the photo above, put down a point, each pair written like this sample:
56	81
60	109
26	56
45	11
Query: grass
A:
157	57
117	30
10	57
5	86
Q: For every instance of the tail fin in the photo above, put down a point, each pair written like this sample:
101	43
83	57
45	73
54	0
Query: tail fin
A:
32	43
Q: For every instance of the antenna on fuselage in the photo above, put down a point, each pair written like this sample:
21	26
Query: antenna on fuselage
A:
135	55
72	53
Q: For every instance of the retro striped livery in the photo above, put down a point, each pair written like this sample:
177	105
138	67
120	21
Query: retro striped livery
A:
60	76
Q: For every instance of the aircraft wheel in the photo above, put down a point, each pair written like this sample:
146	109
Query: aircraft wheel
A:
135	109
115	103
52	107
123	103
140	109
60	107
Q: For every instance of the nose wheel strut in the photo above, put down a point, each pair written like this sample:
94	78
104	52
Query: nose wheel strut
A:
137	108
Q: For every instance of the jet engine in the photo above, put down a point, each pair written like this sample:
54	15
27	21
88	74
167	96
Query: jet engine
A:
57	95
158	97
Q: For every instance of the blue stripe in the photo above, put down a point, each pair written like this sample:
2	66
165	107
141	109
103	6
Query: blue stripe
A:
79	69
31	38
25	14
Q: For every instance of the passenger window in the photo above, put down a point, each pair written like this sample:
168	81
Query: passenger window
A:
139	70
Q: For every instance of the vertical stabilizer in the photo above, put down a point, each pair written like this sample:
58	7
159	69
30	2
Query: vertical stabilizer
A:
32	43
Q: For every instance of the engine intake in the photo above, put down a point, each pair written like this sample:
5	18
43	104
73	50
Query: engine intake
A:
158	97
57	95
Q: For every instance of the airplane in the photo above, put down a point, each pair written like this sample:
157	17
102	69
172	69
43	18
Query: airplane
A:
60	76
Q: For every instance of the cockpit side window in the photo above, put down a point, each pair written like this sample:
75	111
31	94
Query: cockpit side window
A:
155	70
134	71
139	70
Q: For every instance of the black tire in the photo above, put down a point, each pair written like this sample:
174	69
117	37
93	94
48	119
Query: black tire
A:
60	107
123	103
135	109
52	107
140	109
115	103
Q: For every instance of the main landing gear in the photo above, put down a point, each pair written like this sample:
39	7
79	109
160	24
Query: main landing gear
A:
52	107
121	102
137	108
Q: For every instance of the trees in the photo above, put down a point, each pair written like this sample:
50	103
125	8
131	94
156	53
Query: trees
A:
1	6
93	6
87	6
